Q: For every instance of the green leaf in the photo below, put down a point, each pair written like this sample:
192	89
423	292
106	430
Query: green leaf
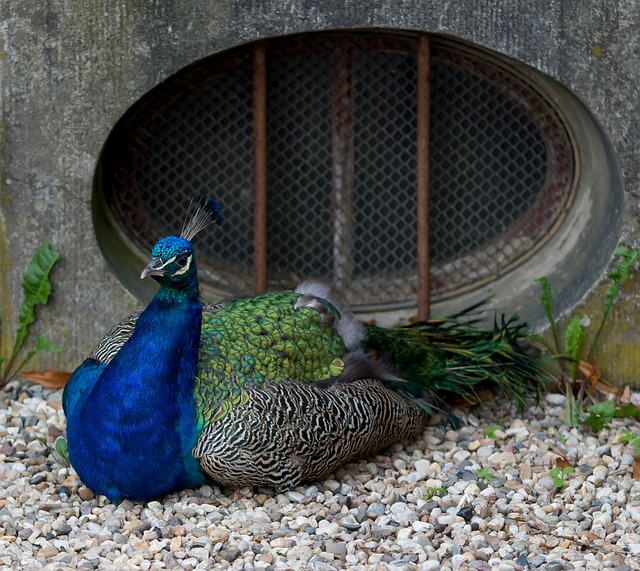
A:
37	289
490	431
573	413
42	344
485	474
61	448
628	437
547	297
574	337
627	411
624	269
618	275
600	415
613	291
547	301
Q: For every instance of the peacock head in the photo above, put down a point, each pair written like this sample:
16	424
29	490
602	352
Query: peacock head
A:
173	261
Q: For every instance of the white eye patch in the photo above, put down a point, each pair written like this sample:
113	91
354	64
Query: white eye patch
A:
186	266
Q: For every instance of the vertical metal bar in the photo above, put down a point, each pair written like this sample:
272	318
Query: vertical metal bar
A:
423	96
260	167
342	116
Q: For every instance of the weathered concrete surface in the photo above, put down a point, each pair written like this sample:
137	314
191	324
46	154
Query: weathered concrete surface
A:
70	70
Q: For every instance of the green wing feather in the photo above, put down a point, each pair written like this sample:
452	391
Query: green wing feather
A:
252	342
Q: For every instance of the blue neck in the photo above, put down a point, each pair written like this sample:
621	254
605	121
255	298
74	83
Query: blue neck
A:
137	427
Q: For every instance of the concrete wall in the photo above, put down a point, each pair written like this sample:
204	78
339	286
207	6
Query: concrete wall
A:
70	69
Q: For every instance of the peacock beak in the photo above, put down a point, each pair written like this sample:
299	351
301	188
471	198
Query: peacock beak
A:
154	268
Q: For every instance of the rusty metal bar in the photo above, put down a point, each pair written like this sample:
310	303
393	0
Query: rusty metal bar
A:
342	117
423	96
260	167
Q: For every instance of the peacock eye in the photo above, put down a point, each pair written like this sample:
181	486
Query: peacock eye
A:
182	261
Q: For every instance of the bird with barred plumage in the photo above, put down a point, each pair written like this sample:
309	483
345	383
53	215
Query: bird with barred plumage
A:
270	390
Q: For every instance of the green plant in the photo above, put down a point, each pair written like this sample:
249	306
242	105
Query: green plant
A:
632	438
432	491
485	474
575	357
490	431
559	476
61	450
601	414
37	289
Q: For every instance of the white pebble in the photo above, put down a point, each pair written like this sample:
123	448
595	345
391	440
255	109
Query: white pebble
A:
555	399
496	524
461	455
600	473
423	466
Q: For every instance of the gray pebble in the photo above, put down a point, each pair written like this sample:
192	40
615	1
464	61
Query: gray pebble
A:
375	510
63	529
537	560
377	513
336	548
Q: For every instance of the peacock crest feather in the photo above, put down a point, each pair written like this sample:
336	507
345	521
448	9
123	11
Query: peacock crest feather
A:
202	212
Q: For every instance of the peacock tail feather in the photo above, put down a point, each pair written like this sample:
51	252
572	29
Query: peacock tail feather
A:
446	357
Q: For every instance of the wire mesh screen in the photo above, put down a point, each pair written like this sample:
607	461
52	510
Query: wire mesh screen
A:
299	162
341	170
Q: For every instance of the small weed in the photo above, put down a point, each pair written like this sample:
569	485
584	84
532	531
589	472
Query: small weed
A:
61	451
432	491
490	431
37	289
601	414
485	474
576	358
559	476
632	438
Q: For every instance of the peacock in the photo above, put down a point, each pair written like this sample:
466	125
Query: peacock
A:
267	390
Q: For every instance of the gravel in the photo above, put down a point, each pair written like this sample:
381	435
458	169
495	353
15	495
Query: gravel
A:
419	505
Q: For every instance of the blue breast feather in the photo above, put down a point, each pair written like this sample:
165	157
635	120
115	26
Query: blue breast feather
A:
131	424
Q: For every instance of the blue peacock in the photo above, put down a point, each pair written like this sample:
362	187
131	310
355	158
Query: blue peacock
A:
270	390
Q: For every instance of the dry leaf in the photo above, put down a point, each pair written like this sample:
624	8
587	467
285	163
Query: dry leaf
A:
636	468
563	463
48	378
625	397
588	537
590	372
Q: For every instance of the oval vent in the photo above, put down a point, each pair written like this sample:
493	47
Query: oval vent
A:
341	170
